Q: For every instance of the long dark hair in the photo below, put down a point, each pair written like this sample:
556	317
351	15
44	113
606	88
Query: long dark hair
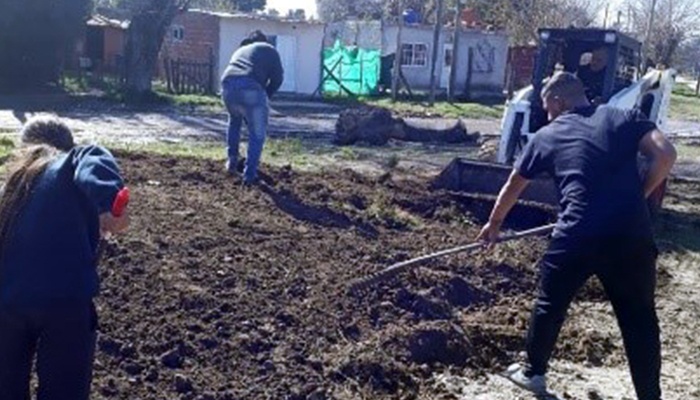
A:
47	137
27	166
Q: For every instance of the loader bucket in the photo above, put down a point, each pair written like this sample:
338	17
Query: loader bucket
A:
470	176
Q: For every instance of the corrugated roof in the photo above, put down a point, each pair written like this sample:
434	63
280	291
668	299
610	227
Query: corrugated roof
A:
255	17
101	20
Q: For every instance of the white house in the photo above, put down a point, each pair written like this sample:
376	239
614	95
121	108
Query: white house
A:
200	36
489	50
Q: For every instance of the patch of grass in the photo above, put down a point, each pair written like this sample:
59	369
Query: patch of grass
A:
285	151
191	100
684	107
393	161
678	231
682	89
348	154
383	211
211	151
685	104
108	88
6	147
75	84
688	151
420	107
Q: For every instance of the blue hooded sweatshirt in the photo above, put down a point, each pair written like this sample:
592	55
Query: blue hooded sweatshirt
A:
50	255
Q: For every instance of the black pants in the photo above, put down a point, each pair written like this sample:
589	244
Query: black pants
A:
62	337
627	270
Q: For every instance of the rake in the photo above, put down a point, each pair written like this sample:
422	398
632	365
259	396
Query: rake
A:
366	282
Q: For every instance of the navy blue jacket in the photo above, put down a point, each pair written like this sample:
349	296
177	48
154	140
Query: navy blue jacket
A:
50	255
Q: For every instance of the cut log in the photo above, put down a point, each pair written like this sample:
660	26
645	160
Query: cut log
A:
376	125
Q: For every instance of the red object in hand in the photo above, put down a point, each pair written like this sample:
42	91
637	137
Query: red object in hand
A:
120	202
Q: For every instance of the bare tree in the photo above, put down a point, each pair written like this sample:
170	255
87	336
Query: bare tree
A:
149	23
522	18
673	21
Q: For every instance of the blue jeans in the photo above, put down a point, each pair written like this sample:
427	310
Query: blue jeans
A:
62	337
245	100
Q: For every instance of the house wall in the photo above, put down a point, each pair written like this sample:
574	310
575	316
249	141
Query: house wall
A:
114	42
522	65
490	51
199	43
309	39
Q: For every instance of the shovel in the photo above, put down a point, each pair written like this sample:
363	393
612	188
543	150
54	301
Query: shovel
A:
366	282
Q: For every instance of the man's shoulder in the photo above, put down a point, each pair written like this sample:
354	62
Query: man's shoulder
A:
263	46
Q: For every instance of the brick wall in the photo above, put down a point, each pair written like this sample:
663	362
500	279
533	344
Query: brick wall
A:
521	60
193	36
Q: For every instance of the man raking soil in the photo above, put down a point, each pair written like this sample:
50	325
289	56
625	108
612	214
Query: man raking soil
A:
603	228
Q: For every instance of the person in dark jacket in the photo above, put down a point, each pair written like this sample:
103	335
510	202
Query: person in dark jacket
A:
253	75
55	207
603	227
592	75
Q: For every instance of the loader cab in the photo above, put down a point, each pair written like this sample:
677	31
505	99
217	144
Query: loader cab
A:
606	61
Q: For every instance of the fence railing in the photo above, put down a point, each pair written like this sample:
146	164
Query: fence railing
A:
188	77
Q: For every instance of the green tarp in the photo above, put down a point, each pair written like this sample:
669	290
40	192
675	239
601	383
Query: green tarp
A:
357	69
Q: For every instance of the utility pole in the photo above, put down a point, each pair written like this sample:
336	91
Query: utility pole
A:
396	75
451	86
605	21
436	42
645	48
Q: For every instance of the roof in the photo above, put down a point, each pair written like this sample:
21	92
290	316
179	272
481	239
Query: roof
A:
256	17
102	21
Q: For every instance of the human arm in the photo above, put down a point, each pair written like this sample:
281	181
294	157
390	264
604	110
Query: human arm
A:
97	176
276	75
662	154
507	197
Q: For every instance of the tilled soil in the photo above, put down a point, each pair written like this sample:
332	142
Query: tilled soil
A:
221	291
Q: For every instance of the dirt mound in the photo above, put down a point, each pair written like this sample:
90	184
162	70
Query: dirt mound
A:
225	292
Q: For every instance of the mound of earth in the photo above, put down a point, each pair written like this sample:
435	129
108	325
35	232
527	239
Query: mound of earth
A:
220	291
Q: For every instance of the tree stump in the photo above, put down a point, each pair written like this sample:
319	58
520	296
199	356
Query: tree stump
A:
376	125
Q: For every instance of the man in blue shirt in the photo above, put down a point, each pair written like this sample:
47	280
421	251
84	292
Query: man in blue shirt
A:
603	226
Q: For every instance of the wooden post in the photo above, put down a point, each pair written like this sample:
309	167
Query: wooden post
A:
468	84
359	92
455	52
210	70
697	84
396	70
166	67
436	42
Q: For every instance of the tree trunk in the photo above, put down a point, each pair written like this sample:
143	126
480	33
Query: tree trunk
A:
144	38
396	71
436	42
455	53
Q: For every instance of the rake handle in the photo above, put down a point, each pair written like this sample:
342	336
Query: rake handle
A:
406	265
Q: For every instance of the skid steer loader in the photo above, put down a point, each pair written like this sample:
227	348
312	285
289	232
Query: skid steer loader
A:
623	86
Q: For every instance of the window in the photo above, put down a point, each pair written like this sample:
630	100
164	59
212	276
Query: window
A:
414	55
447	62
178	33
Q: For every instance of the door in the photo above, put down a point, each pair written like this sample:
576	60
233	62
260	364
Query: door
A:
287	48
447	54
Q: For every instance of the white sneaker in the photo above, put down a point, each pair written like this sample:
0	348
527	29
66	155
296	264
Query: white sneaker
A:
536	384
